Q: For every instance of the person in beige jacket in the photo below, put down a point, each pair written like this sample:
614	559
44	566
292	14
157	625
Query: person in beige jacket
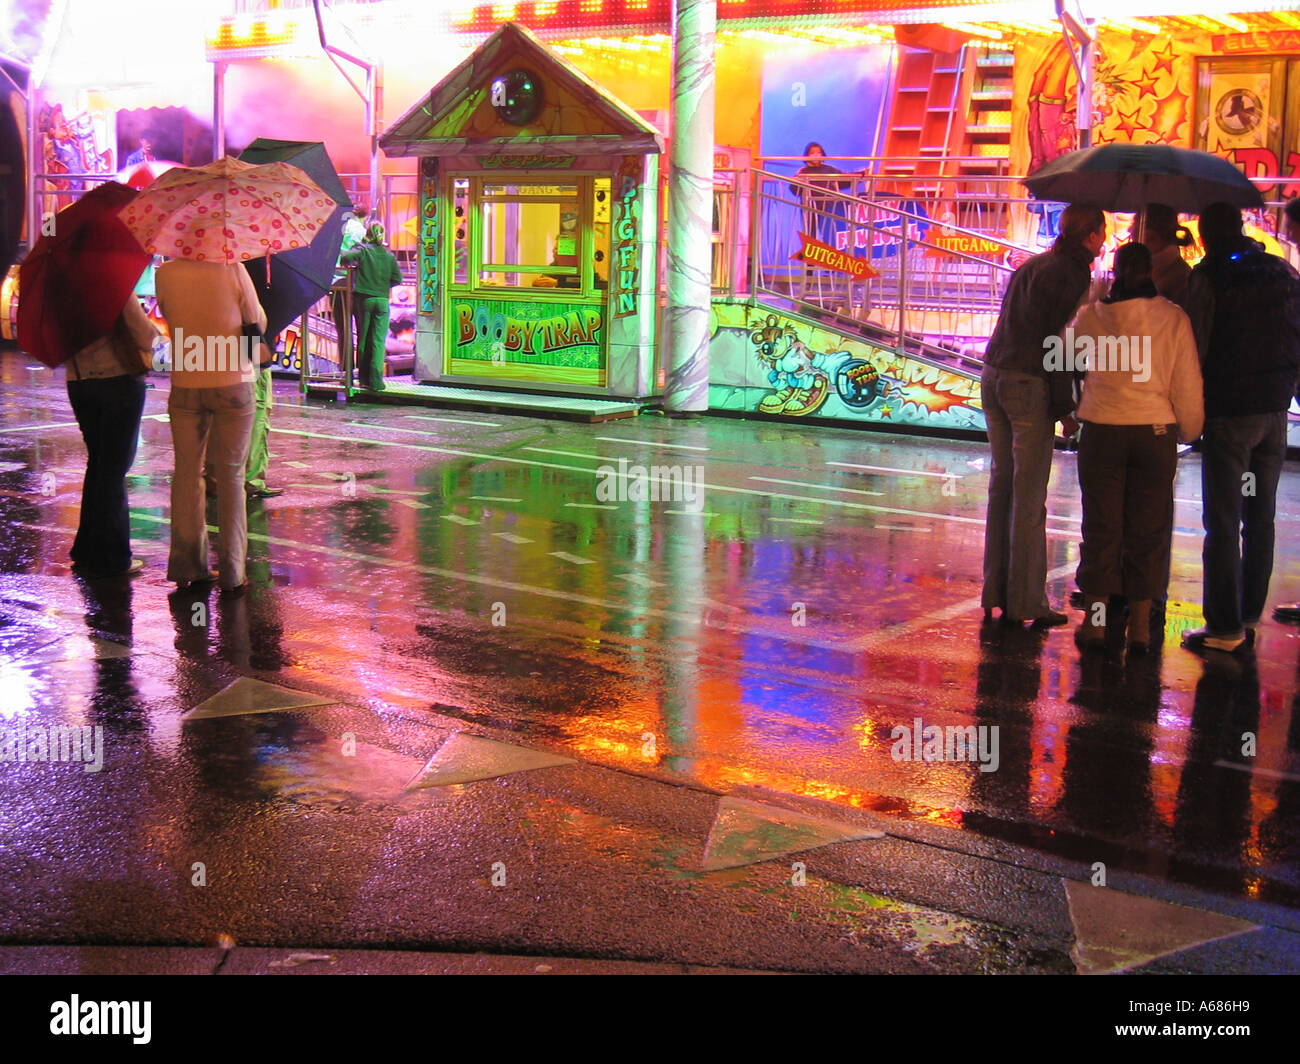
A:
211	409
1141	396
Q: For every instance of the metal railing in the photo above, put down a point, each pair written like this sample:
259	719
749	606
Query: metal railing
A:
923	295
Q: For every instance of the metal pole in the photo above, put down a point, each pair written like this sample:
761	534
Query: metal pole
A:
690	207
35	161
902	285
1084	117
218	109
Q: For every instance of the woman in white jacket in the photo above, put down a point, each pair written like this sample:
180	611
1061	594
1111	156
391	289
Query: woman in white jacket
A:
1141	396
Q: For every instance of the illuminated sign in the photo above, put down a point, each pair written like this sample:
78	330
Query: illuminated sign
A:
505	332
1262	41
626	270
967	245
526	162
428	237
634	15
261	36
815	253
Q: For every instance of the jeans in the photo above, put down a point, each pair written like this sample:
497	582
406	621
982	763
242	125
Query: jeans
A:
108	413
1238	512
1126	475
1015	534
223	417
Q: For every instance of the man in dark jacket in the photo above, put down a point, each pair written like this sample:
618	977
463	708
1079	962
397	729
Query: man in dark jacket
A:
1248	330
377	272
1023	399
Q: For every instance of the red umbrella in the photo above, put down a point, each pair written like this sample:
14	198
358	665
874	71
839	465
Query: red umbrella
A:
76	280
142	174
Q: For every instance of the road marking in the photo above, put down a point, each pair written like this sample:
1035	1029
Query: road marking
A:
510	537
415	504
492	498
637	578
457	519
570	558
796	521
589	506
848	504
652	443
37	428
453	420
818	487
387	428
903	528
929	620
901	472
571	454
693	513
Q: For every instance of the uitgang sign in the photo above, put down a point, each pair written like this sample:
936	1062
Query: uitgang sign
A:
815	253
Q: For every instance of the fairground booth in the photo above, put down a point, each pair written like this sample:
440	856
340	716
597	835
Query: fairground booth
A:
538	262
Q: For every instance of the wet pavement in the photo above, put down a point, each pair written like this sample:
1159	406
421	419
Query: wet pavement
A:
485	699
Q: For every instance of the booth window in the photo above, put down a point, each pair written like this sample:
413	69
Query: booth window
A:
539	234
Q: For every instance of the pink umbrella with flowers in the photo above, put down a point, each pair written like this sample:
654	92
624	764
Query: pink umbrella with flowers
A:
228	211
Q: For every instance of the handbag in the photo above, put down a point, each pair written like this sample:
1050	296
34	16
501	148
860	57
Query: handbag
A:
260	349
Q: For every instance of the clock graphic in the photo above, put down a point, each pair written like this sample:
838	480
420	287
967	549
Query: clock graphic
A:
516	97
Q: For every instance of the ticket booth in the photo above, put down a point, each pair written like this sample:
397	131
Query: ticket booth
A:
537	227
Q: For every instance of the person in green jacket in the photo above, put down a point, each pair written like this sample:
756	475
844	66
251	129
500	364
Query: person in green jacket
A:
376	273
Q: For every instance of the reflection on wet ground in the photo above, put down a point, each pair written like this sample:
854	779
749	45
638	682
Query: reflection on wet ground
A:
772	629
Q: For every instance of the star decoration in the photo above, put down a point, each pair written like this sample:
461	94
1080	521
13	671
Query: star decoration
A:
1129	123
1164	58
886	411
1146	85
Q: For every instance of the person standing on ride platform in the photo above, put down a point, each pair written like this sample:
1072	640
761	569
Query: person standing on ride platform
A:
1246	310
1023	399
377	272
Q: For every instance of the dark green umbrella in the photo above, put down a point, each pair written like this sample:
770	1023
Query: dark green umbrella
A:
302	276
1127	177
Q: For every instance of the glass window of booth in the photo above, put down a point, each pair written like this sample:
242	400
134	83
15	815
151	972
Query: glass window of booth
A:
540	233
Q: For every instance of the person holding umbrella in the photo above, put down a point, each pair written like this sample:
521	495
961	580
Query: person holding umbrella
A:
211	410
106	388
210	220
377	272
1022	401
78	309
